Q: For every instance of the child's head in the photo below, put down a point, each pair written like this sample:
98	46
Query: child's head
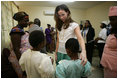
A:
36	39
72	46
52	28
37	21
62	16
30	24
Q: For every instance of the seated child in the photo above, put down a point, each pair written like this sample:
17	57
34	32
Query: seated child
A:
35	63
72	68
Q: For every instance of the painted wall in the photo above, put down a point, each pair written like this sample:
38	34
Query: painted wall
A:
98	14
38	12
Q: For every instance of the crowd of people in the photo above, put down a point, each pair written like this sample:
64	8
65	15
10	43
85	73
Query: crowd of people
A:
28	57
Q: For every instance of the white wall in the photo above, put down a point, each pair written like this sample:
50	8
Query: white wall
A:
38	12
96	14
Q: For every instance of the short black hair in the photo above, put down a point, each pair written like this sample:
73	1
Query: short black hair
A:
72	44
104	25
37	21
35	38
48	25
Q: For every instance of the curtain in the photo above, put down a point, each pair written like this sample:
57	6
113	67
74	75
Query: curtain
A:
8	8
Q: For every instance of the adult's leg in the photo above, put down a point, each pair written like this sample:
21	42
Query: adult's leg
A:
89	50
100	49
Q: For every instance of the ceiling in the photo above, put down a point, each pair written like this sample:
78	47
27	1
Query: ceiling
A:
76	4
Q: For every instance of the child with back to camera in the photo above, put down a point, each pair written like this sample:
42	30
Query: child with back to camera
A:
35	63
72	68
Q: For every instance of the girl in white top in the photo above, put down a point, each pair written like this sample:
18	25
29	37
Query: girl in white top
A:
67	28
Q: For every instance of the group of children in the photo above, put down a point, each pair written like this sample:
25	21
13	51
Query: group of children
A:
40	65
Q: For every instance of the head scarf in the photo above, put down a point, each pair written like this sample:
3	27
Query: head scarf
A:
20	16
113	11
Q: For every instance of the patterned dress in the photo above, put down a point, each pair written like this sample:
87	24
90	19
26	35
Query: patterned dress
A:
12	58
25	43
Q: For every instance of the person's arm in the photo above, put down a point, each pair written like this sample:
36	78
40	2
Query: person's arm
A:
21	62
97	39
102	35
82	44
16	42
57	45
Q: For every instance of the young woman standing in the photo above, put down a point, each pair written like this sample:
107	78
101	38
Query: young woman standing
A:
67	28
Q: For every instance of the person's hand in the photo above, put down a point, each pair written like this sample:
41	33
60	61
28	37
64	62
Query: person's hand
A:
52	60
55	56
83	58
97	39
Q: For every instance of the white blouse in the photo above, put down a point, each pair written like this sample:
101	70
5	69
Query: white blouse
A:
103	35
65	34
36	64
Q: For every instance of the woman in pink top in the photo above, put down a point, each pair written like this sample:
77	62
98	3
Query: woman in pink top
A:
109	57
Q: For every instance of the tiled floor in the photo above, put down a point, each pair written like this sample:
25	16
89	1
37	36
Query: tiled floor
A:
97	72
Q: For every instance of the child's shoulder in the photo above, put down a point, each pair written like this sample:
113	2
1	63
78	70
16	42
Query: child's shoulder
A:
63	61
43	55
26	52
69	62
